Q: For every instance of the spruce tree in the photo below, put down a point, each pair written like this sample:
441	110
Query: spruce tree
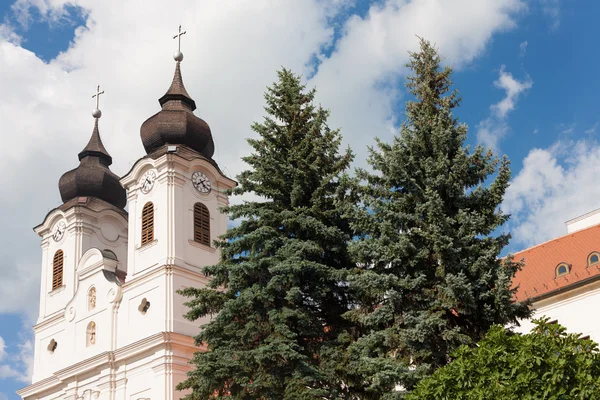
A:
431	278
277	296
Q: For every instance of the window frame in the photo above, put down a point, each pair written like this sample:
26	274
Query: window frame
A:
201	221
58	263
559	266
589	258
147	231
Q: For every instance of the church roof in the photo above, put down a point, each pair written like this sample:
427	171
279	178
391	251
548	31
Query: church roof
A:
95	147
93	178
177	90
538	279
176	122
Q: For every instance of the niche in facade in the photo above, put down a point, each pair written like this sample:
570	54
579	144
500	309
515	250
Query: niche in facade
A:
92	298
91	334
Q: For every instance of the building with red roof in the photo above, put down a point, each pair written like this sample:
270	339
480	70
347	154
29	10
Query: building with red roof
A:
562	277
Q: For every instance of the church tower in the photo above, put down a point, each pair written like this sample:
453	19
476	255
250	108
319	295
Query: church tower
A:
111	323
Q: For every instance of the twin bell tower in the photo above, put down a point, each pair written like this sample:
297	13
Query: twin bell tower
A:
115	253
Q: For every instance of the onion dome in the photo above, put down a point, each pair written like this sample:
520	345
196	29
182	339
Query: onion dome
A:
176	122
93	178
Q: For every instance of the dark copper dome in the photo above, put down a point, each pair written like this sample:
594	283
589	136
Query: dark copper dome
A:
93	178
176	122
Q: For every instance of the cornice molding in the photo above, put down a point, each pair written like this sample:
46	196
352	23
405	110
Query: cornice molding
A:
168	340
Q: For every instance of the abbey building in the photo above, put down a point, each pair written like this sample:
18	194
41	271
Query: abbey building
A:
111	323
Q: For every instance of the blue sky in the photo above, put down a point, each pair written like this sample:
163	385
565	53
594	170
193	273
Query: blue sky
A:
54	53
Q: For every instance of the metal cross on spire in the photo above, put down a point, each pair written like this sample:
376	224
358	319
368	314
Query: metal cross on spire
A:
178	55
97	113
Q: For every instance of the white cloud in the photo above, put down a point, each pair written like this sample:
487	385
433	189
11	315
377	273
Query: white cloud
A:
523	48
513	89
492	129
8	34
567	129
16	365
51	11
560	181
2	348
360	82
25	359
232	50
551	8
592	130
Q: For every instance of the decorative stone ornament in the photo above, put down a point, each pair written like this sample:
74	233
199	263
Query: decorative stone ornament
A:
52	346
201	182
91	334
70	314
92	298
59	231
114	295
144	306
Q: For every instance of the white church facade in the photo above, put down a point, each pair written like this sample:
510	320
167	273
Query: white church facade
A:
111	324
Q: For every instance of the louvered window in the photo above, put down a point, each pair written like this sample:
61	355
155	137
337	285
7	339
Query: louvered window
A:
57	269
201	224
147	223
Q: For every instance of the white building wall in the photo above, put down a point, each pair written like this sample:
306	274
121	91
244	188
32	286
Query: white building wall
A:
173	260
584	221
137	354
84	230
572	310
69	328
133	325
149	370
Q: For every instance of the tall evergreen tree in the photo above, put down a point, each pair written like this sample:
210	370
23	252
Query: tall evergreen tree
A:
431	277
277	296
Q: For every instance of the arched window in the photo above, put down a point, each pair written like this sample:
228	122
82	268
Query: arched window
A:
147	223
57	269
562	269
92	298
593	258
201	224
90	334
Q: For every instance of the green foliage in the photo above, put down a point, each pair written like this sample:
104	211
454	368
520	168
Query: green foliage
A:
276	297
547	364
431	277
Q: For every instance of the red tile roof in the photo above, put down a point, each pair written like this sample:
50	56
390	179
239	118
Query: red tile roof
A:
538	278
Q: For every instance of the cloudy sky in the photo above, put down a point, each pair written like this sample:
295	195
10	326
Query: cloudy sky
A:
527	71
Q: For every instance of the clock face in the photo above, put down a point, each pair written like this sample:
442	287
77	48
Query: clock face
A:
148	181
59	231
201	182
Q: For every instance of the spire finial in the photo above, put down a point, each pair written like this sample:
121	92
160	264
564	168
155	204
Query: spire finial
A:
97	113
178	55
